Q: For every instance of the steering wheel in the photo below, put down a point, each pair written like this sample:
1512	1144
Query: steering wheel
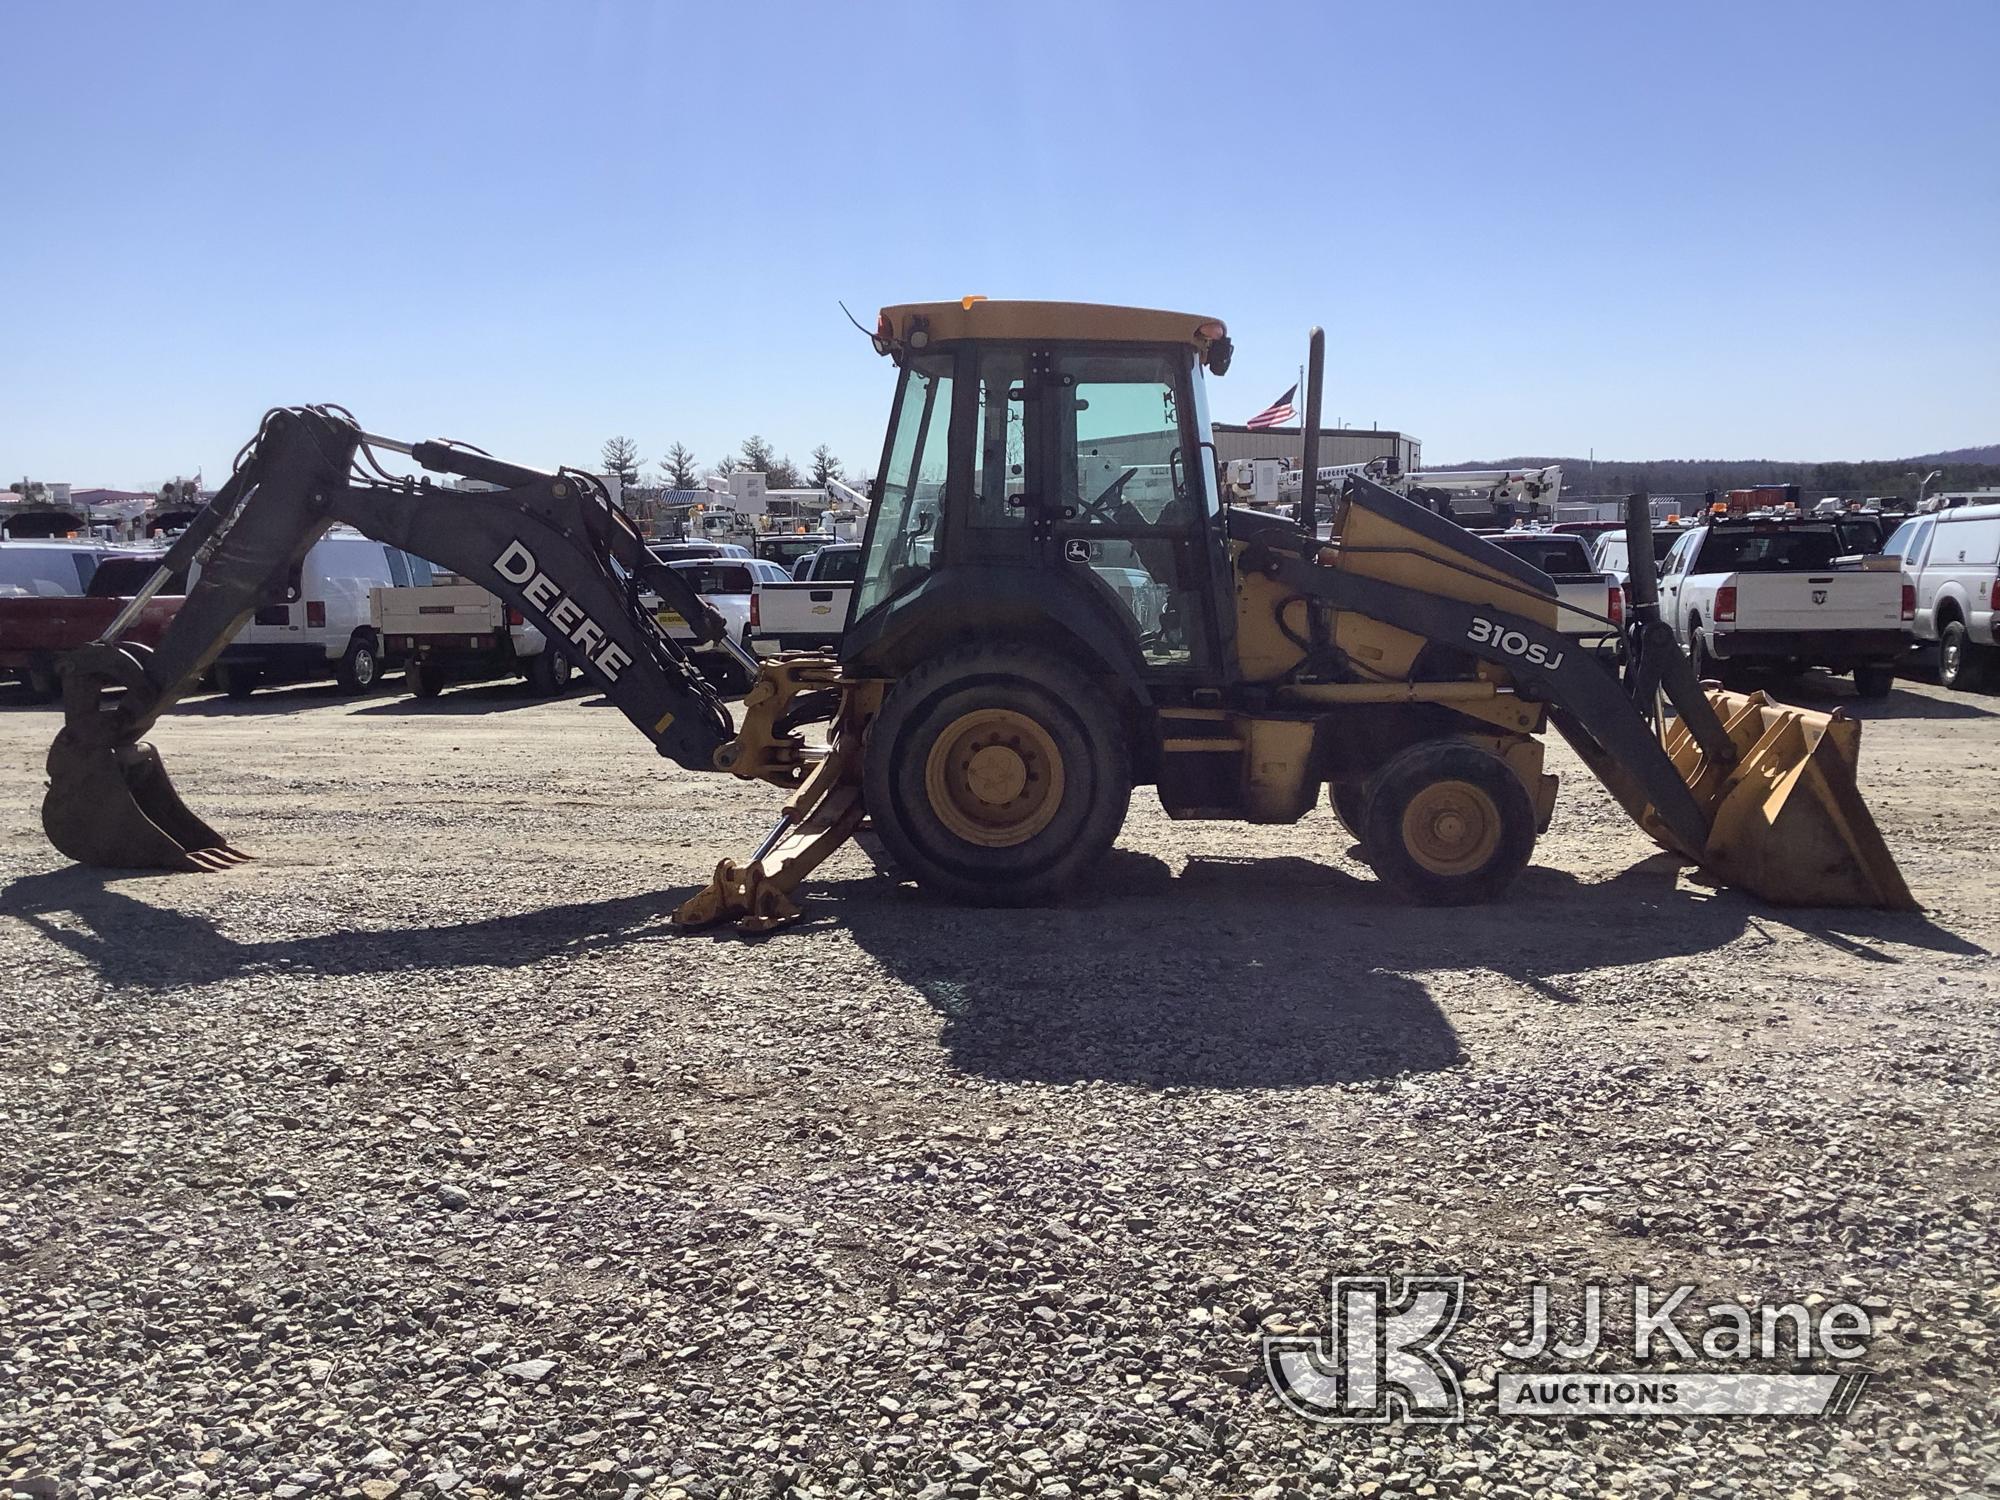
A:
1101	508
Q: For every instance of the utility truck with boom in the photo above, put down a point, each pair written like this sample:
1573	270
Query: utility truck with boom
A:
448	630
1002	686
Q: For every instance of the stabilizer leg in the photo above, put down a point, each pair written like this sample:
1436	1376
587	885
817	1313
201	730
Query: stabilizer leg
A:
824	813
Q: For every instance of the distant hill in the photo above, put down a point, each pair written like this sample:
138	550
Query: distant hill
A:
1990	454
1964	469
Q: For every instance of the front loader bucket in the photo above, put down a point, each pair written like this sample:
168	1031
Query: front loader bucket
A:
1786	822
114	806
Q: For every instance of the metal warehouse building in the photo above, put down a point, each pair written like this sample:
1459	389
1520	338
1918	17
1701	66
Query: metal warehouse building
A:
1337	445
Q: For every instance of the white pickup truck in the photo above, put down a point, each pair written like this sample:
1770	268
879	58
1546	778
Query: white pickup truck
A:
1784	594
1592	604
729	585
809	612
455	631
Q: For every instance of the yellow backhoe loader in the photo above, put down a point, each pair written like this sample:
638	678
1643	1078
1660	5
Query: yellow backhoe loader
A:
1054	608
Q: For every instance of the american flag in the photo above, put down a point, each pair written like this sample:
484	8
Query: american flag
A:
1277	413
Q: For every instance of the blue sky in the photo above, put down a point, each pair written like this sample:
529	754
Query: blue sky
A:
1687	230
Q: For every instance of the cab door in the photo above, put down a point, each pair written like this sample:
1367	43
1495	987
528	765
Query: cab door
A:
1673	575
1124	500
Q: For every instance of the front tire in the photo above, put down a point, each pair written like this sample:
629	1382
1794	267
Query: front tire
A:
1447	824
1349	801
997	775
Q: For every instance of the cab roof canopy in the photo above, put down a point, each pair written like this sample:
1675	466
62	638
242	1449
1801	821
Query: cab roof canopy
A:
918	325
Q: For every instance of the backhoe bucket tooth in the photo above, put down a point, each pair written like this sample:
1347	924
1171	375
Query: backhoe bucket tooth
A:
115	807
1787	822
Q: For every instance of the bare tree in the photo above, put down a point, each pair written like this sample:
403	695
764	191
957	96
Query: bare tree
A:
679	469
824	467
621	459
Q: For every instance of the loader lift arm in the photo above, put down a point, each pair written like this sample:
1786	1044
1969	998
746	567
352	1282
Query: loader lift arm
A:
552	545
1760	795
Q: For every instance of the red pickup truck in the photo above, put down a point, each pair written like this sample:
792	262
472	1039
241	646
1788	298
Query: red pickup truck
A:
38	622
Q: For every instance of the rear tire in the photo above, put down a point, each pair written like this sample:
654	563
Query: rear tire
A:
361	668
997	775
236	680
423	677
1700	660
1875	681
1447	824
549	673
1962	666
42	682
730	677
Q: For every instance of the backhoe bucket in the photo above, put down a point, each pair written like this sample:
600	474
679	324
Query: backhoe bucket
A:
1786	822
114	806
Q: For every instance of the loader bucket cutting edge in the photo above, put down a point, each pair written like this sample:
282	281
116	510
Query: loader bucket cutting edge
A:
1787	822
115	807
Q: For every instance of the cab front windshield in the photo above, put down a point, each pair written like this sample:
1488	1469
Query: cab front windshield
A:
902	536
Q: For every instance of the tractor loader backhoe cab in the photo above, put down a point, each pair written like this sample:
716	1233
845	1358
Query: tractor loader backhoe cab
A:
1054	608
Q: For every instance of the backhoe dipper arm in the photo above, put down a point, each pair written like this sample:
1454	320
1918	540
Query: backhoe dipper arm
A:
551	545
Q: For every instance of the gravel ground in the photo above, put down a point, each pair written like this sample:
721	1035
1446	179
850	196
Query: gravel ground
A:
422	1157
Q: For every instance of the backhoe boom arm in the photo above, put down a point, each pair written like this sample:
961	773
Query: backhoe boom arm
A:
552	546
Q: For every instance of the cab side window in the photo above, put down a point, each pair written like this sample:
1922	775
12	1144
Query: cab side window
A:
1920	544
999	444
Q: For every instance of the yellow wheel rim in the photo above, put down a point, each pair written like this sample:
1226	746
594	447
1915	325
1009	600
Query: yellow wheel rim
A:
994	778
1451	827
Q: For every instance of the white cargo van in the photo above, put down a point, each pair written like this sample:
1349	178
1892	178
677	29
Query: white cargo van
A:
1952	561
320	625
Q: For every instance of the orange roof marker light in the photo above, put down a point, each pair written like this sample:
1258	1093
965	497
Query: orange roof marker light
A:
966	302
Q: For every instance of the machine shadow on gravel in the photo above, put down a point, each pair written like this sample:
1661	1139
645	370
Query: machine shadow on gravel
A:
1237	972
1284	971
1135	985
148	944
